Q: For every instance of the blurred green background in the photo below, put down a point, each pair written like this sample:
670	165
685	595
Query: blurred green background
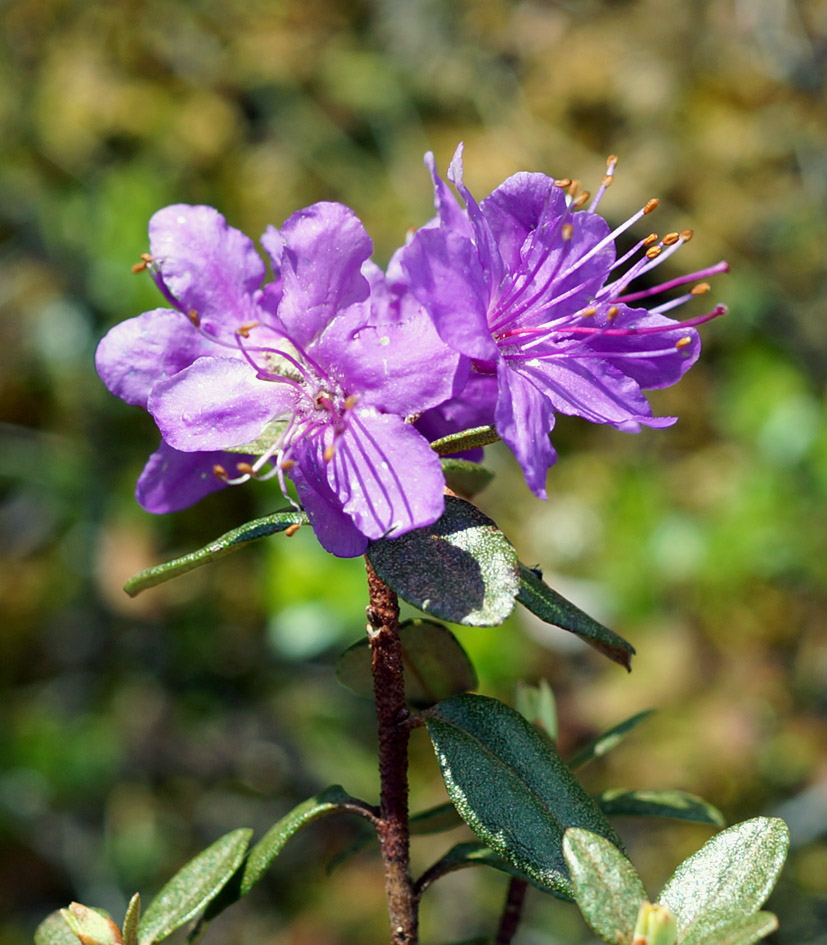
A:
136	732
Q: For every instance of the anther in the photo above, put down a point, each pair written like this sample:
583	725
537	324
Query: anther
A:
566	231
651	238
573	187
611	162
245	469
670	239
563	182
612	314
686	235
291	530
651	204
588	312
683	342
245	329
699	289
219	472
581	199
654	252
329	452
351	401
288	464
139	266
192	315
607	180
147	257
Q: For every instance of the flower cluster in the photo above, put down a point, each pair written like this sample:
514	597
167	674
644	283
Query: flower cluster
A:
337	375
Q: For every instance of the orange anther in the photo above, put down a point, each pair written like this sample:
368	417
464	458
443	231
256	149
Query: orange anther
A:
329	451
612	314
291	530
192	315
654	252
566	231
683	342
588	312
139	267
219	472
351	401
245	469
288	464
670	239
147	257
651	238
245	329
699	289
563	182
686	235
581	199
651	204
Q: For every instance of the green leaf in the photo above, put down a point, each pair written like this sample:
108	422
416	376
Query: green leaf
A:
462	568
131	920
53	930
728	879
192	887
607	740
473	853
675	804
436	666
537	704
92	926
510	786
553	608
467	440
230	541
744	931
329	801
464	477
607	888
264	442
435	819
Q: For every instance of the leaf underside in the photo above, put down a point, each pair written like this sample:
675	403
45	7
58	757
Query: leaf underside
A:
678	805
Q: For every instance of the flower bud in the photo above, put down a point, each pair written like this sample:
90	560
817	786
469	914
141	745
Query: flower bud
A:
655	926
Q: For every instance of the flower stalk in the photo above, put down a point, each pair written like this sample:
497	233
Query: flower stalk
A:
392	715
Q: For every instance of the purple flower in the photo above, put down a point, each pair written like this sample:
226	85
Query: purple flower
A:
307	364
533	293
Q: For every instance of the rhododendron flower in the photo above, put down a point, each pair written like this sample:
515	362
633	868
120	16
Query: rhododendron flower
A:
531	290
305	365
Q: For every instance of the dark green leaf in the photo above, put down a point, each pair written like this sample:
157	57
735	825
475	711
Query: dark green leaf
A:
462	568
728	879
264	442
606	741
132	920
537	704
744	931
230	541
473	853
510	786
258	861
553	608
675	804
607	888
465	478
435	819
192	887
53	930
467	440
436	666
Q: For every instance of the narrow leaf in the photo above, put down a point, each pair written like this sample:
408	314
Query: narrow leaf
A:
53	930
435	819
729	878
192	887
553	608
464	477
436	666
675	804
743	931
510	786
230	541
607	888
467	440
473	853
131	920
607	740
264	443
537	704
462	568
258	861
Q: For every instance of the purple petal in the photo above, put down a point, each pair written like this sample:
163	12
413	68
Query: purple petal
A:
335	530
138	352
444	273
216	403
387	478
524	420
172	480
449	212
324	248
206	266
473	407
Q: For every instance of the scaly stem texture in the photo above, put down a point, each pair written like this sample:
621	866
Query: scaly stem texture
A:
392	714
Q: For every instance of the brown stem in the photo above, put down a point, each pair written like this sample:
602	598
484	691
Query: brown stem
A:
512	911
392	715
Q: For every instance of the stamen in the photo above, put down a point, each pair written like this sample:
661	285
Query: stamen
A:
651	238
653	252
650	205
288	464
192	315
350	401
573	187
683	342
219	472
671	238
718	268
244	468
686	235
147	257
291	530
563	182
581	199
139	266
586	313
612	314
700	288
245	329
567	231
329	453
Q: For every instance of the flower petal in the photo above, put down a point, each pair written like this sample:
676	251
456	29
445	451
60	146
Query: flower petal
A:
324	248
135	354
172	480
205	265
216	403
525	418
472	407
335	530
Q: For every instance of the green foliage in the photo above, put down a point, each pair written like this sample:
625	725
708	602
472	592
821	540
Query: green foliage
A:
607	740
537	704
226	543
436	666
466	440
464	477
131	920
675	804
193	887
91	926
53	930
510	786
473	853
553	608
462	568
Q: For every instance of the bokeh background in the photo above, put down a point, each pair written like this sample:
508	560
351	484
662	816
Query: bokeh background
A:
136	732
